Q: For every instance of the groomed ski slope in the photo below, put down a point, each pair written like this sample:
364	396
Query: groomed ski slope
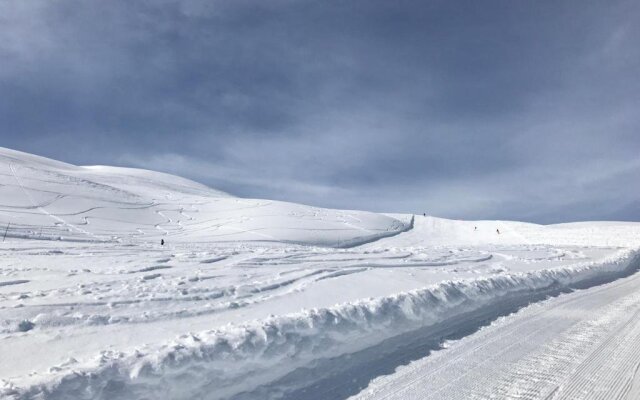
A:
322	308
583	345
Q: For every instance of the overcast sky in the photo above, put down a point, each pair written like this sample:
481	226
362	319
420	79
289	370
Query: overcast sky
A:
526	110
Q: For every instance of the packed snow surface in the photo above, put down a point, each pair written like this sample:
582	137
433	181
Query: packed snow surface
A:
582	345
258	299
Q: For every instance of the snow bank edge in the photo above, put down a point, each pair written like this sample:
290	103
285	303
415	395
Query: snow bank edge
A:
237	358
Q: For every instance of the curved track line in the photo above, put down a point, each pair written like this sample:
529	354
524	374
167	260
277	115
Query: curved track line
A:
44	211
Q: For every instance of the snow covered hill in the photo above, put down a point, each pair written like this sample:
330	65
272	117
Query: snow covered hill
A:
257	299
45	199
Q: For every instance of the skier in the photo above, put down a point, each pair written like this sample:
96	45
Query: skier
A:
475	228
498	231
161	242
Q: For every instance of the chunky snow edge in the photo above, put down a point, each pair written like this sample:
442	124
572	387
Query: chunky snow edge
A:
223	362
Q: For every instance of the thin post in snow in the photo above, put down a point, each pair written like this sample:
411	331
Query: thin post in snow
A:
5	232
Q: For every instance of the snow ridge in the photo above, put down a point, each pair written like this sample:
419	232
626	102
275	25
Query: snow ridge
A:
223	363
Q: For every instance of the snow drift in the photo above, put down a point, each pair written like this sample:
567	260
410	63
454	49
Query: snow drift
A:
237	358
46	199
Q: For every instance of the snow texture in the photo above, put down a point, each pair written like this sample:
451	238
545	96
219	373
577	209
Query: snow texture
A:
246	294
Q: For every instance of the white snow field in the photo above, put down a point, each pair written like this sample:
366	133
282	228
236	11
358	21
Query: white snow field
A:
259	299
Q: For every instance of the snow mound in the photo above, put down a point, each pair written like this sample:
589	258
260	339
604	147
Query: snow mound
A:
46	199
239	358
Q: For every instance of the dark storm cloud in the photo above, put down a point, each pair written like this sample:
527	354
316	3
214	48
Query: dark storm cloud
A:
493	109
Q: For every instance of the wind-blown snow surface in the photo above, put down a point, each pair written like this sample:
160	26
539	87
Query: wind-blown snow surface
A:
249	299
46	199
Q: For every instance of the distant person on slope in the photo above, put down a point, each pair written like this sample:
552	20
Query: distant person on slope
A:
161	242
498	231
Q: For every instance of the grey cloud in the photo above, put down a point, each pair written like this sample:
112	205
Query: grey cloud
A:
493	109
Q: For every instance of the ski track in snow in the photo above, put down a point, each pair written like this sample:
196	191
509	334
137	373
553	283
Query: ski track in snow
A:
577	346
41	208
258	299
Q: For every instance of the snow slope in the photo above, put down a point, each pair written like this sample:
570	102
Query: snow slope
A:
42	198
583	345
252	299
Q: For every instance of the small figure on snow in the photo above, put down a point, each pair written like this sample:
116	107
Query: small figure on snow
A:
424	214
498	231
161	242
475	228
